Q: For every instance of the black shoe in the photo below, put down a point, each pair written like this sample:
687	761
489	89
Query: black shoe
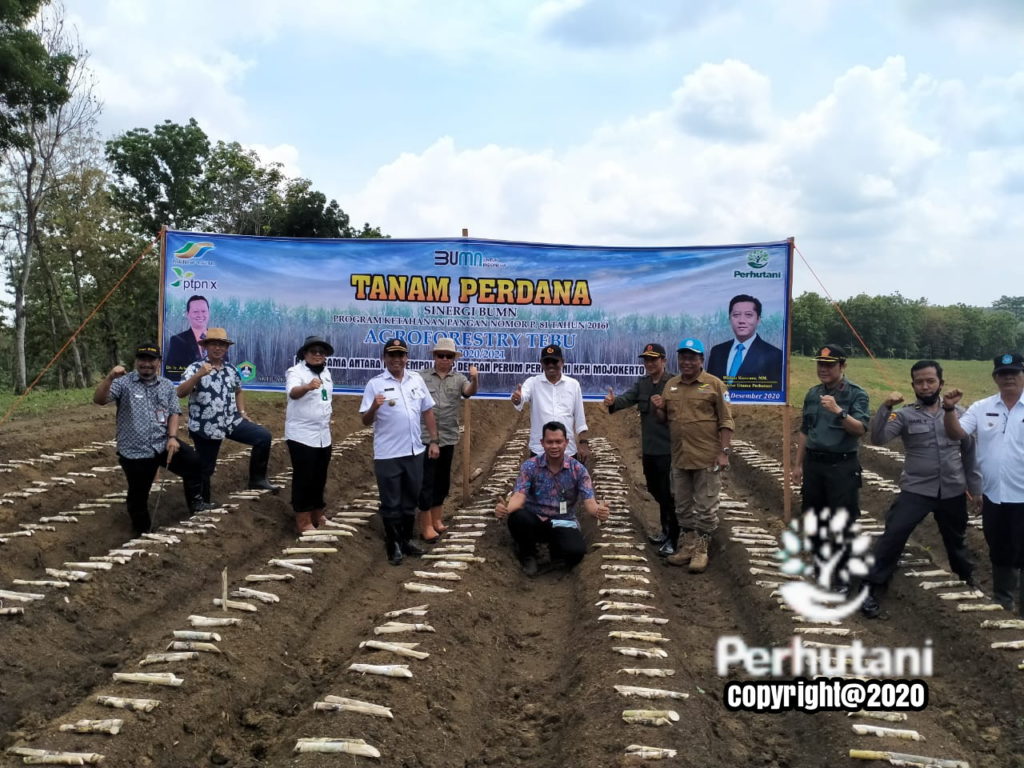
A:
870	608
529	566
666	549
658	539
394	553
970	581
262	484
411	549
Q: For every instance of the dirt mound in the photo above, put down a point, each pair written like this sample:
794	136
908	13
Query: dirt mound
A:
520	672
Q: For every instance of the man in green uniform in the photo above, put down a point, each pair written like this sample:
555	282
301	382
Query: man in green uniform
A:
835	415
696	406
654	437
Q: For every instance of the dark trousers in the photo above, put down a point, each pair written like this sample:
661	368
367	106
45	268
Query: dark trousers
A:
309	475
140	474
528	530
398	482
658	474
1003	525
437	477
831	482
903	517
246	433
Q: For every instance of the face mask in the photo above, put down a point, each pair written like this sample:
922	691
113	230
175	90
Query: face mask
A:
318	369
931	399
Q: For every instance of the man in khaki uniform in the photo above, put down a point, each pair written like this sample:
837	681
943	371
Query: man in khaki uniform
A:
696	406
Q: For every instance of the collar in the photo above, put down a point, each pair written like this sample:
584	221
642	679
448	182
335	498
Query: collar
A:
702	378
542	461
387	375
746	344
839	387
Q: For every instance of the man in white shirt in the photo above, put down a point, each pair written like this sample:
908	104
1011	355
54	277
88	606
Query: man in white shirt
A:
394	402
998	425
553	396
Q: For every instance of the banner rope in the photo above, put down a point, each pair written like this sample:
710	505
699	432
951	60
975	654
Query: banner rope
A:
837	308
73	336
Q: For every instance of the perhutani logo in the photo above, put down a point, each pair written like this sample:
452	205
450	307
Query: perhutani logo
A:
192	250
836	551
758	259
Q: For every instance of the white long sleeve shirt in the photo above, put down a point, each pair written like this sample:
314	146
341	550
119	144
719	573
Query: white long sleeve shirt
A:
561	401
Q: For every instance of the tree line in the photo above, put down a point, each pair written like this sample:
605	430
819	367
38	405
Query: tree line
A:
894	326
76	211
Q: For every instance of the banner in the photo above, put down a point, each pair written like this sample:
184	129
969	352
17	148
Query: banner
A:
502	302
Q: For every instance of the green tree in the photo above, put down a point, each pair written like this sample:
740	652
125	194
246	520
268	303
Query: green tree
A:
31	167
244	193
159	175
33	78
305	212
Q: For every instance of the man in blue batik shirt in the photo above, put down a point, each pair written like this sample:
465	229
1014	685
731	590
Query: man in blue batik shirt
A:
543	504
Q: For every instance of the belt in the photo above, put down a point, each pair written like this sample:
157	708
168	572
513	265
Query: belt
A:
830	456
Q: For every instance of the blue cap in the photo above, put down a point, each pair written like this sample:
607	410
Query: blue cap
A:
693	345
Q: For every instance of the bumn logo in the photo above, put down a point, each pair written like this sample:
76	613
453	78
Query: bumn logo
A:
456	258
758	259
835	550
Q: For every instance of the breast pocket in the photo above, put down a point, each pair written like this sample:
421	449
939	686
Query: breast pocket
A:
918	428
704	406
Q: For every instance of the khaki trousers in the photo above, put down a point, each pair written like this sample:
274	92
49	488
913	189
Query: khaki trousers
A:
696	492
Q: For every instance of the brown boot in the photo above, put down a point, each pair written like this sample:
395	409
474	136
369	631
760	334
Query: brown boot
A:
303	522
684	552
424	526
699	561
318	517
437	519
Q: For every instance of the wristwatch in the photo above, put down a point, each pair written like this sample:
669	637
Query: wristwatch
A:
842	414
727	450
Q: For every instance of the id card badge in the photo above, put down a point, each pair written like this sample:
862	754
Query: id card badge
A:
563	508
161	416
323	393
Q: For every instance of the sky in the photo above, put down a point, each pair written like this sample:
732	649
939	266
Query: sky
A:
885	136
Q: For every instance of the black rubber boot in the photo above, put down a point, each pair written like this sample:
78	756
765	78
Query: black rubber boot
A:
1004	585
392	541
259	459
408	528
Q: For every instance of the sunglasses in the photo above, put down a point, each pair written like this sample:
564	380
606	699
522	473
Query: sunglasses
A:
444	355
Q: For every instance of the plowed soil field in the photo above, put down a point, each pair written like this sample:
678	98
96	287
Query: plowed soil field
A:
519	672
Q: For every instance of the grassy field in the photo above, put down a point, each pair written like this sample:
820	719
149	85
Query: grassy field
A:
881	377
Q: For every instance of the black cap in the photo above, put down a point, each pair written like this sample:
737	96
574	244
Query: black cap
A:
149	349
653	350
831	353
310	341
395	345
552	351
1008	362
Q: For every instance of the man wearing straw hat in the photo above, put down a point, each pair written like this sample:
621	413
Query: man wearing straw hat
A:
216	411
449	388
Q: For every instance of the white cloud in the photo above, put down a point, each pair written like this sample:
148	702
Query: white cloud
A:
728	101
285	154
853	177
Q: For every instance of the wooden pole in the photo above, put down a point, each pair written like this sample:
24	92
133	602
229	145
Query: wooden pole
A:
787	415
467	435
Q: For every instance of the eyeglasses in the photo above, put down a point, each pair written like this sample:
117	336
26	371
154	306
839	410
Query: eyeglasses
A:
444	356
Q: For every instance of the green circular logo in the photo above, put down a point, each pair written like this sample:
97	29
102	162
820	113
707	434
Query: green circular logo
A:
758	259
247	371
